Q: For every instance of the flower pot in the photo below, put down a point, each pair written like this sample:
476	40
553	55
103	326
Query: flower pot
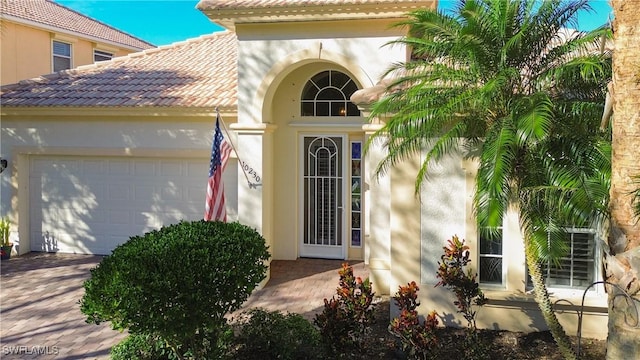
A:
5	252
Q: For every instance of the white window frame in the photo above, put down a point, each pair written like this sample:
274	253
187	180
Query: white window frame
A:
503	270
597	269
54	55
343	103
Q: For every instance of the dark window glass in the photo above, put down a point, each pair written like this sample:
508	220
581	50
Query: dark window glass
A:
307	108
310	91
339	108
352	109
339	79
322	79
322	109
350	88
490	257
330	94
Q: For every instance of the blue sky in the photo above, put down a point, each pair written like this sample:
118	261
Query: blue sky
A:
162	22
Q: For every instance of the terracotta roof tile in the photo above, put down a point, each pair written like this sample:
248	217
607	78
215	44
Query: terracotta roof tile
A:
258	4
200	72
48	13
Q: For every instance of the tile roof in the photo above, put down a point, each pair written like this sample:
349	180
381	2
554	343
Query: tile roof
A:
48	13
258	4
200	72
228	13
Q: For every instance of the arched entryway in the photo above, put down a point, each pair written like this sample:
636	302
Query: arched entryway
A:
327	213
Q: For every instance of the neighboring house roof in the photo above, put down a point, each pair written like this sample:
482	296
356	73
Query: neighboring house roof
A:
46	13
200	72
229	12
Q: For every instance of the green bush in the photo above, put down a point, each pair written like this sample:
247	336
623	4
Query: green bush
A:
177	283
141	347
274	335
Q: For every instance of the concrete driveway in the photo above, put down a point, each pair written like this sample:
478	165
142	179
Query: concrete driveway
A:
40	317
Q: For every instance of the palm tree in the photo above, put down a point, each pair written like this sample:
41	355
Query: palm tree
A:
522	95
624	239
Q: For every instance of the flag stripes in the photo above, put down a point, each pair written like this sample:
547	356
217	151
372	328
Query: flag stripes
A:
221	150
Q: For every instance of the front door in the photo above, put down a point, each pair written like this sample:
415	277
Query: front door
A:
322	212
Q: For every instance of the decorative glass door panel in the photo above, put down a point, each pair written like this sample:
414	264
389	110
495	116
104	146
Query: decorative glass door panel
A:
322	197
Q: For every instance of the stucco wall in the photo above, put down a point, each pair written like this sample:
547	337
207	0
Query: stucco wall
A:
422	225
275	62
26	52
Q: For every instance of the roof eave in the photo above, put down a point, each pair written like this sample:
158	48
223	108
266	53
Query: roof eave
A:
55	29
228	17
84	112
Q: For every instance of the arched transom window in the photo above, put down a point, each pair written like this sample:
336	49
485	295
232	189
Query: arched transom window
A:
327	94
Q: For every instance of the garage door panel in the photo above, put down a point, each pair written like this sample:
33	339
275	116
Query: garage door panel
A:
94	168
172	169
143	192
92	204
119	167
172	192
194	194
144	167
118	191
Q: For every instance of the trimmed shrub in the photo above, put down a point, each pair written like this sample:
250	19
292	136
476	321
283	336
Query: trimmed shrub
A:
274	335
177	283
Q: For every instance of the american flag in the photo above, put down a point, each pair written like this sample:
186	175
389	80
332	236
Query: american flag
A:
214	206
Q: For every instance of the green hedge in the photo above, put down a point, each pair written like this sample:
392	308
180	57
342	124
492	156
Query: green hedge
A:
274	335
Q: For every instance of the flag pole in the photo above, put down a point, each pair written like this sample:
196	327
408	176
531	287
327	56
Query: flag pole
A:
233	146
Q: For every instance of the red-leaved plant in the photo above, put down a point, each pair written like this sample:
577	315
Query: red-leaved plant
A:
418	340
452	275
347	318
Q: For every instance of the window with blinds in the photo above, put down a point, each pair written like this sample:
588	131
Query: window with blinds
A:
578	268
61	56
99	55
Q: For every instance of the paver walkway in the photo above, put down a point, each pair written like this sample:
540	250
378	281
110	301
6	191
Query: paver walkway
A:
40	317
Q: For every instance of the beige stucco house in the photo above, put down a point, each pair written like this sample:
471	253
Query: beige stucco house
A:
110	150
41	37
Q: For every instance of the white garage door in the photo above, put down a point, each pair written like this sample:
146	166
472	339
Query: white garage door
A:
92	204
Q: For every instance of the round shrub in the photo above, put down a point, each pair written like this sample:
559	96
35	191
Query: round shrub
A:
177	283
274	335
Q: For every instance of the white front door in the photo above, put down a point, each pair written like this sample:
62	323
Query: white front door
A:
322	198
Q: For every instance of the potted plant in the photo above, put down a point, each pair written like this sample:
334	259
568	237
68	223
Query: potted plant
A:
7	246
